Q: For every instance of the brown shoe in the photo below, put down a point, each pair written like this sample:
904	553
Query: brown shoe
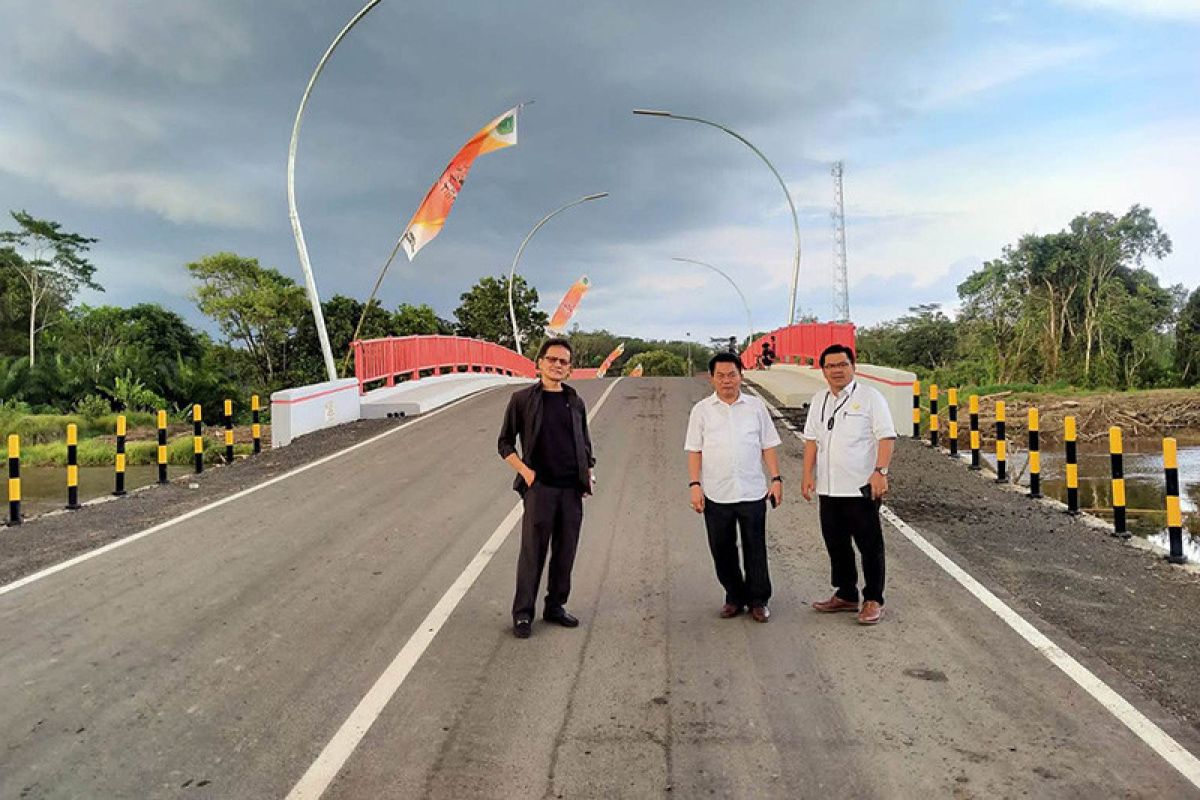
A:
833	604
871	613
761	614
729	610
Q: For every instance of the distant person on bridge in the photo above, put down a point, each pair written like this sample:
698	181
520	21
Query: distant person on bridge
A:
554	474
848	443
729	437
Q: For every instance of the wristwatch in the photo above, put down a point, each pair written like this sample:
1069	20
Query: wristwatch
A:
882	471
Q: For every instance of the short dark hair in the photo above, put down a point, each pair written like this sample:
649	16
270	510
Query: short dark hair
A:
721	358
837	348
546	345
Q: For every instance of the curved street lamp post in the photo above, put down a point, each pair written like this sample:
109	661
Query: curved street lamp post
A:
775	172
746	305
310	283
512	311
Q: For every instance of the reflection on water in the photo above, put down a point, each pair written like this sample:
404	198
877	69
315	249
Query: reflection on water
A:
45	488
1145	486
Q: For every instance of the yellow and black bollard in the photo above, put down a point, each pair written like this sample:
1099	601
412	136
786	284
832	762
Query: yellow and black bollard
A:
228	431
1116	455
1001	445
119	489
1035	455
72	467
14	479
255	428
1072	465
1174	513
916	409
198	438
162	446
933	416
973	410
952	411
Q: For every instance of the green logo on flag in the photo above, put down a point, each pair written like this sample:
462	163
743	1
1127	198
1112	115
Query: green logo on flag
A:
506	125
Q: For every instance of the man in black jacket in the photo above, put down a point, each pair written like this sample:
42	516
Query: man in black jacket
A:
554	474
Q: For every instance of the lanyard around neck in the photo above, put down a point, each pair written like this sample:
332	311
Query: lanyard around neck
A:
836	409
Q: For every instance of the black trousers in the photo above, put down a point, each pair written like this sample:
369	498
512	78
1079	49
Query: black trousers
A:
723	521
853	519
551	524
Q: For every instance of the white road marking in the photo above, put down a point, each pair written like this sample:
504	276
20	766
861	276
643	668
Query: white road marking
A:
99	551
324	769
1172	751
1158	740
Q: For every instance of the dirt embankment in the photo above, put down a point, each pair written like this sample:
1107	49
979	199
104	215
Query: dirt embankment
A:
1150	414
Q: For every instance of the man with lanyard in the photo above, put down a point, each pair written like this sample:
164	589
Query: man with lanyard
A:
849	437
729	437
553	477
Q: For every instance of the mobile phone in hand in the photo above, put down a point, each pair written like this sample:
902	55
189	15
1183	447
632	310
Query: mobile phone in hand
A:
774	502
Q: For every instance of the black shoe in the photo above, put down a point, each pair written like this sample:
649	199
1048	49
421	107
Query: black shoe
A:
561	617
522	628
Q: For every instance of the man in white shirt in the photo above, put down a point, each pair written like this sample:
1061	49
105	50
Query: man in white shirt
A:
849	437
729	437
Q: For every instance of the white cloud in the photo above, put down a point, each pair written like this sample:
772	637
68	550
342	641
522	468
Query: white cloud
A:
1162	9
176	196
999	66
193	41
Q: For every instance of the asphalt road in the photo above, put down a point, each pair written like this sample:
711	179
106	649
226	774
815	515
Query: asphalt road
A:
218	657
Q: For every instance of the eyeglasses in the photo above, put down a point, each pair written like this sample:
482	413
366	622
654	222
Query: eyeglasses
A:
838	365
566	362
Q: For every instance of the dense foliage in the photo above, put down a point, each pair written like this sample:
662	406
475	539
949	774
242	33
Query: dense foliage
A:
1072	308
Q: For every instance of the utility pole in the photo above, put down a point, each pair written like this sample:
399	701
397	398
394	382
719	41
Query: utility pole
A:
841	286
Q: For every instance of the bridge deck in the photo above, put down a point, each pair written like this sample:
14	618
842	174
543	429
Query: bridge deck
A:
229	649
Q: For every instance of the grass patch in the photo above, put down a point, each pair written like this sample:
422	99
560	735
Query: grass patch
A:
100	453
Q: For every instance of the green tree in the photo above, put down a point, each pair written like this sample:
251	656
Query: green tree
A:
51	263
422	320
255	307
658	363
483	313
1187	341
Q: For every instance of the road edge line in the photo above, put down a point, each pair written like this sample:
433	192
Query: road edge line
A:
1138	723
99	551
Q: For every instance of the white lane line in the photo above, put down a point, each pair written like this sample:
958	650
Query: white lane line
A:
1172	751
1158	740
99	551
320	773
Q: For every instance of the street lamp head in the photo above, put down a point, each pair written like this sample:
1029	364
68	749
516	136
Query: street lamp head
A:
649	112
596	196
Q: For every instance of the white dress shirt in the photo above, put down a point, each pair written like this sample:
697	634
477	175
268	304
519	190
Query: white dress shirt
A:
846	455
731	438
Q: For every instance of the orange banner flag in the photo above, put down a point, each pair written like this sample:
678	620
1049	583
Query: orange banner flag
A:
608	362
431	214
566	309
637	371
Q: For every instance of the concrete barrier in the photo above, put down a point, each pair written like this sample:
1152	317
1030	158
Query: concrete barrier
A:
295	412
420	397
794	386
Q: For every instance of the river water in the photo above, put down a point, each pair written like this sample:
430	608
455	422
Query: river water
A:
45	488
1145	485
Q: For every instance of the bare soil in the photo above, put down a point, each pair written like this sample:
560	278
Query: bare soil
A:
1156	413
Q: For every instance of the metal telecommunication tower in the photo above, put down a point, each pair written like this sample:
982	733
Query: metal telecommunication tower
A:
841	287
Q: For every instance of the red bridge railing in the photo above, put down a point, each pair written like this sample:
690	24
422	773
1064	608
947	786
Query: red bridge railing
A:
406	357
801	343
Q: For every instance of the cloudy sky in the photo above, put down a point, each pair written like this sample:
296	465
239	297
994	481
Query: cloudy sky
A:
162	129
